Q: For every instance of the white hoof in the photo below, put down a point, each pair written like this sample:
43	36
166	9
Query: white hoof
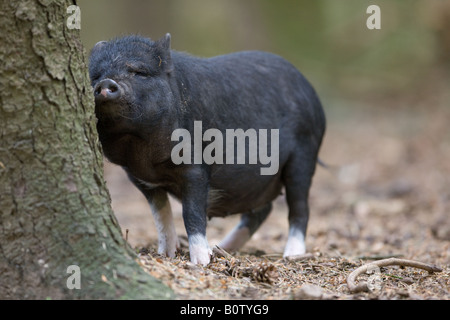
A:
168	244
199	249
295	244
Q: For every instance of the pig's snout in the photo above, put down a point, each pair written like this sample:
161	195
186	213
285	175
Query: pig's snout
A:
106	90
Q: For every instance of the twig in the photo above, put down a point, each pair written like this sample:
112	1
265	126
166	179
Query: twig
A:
272	255
379	257
221	252
301	257
383	263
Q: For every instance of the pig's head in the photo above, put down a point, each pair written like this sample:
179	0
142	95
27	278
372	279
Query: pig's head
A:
131	81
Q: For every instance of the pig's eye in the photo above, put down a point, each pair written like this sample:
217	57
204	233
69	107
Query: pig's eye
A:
139	72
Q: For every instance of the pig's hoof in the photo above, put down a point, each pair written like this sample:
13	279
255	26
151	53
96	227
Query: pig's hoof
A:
168	246
202	258
294	247
199	250
169	251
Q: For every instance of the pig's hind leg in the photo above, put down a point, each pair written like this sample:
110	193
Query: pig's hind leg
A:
250	222
297	177
194	201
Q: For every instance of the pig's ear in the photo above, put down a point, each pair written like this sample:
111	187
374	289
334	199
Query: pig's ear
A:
98	45
165	57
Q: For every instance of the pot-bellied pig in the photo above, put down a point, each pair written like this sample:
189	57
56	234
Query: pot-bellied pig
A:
223	135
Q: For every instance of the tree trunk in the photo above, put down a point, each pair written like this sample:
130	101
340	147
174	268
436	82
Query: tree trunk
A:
54	206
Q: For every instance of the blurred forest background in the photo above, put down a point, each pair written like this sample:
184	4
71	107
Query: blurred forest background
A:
326	39
385	93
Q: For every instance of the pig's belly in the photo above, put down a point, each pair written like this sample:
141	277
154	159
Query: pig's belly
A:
238	192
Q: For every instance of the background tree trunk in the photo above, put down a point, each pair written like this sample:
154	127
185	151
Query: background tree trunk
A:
55	208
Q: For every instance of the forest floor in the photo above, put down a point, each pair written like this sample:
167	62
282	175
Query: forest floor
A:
387	194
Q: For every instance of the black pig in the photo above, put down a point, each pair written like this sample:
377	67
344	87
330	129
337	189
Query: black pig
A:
144	92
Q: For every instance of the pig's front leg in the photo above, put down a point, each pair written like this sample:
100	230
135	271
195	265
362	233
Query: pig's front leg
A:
194	199
168	242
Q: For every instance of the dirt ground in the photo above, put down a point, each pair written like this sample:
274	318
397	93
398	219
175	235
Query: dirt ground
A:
387	194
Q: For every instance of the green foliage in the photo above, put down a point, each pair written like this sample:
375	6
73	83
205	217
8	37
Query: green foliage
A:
326	39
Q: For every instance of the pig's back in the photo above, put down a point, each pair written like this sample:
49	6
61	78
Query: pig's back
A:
249	90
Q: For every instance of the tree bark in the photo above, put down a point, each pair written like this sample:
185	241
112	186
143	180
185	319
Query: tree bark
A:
55	208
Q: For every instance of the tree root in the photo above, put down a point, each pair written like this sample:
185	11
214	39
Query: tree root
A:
362	287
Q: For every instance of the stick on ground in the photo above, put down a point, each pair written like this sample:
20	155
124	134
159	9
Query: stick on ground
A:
383	263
